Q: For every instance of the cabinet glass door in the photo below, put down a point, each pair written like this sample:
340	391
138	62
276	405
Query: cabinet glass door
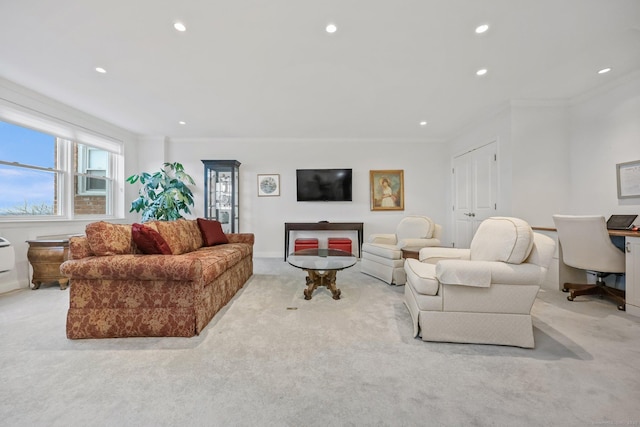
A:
222	183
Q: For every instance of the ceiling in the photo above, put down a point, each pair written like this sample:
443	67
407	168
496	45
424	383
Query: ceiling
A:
268	69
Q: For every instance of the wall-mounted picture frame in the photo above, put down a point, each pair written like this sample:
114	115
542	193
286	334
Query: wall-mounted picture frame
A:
268	185
387	190
628	177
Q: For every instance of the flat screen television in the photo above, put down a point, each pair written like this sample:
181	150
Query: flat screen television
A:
323	185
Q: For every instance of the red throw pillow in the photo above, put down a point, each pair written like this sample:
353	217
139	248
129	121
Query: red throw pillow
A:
149	241
212	233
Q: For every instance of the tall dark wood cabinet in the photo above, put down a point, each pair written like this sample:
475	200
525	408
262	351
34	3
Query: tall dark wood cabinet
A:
222	193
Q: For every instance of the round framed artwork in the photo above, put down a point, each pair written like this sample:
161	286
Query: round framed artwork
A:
269	185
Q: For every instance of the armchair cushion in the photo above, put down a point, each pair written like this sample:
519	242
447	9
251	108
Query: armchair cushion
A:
415	227
422	276
382	250
387	239
502	239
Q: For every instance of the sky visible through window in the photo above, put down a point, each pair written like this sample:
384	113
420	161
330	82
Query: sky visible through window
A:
19	185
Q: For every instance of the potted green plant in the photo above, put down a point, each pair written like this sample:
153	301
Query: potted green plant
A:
165	195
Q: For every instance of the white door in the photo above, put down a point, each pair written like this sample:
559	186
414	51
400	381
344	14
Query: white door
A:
475	183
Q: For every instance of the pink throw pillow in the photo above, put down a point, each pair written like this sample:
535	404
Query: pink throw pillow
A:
149	240
212	233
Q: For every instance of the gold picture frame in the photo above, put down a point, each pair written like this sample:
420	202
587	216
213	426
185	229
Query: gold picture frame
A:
387	190
268	185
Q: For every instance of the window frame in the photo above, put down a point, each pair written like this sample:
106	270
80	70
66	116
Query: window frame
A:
65	169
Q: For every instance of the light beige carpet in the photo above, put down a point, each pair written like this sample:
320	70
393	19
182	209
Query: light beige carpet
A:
272	358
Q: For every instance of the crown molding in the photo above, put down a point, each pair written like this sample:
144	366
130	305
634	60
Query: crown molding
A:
607	87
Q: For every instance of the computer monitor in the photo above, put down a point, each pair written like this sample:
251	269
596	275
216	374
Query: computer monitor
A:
620	222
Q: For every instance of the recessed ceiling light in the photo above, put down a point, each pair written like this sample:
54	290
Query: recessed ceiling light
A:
423	123
182	122
604	70
482	28
331	28
481	72
179	26
101	70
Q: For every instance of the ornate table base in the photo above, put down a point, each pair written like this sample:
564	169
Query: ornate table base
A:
317	278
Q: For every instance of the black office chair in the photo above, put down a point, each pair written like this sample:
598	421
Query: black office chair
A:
586	245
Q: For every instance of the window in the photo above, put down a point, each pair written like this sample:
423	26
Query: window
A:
94	163
50	177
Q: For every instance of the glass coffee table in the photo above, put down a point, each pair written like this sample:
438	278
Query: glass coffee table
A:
321	266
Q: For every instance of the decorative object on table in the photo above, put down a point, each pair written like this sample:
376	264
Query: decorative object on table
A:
628	175
165	195
268	185
387	190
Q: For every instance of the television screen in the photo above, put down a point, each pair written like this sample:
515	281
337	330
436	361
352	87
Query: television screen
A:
323	185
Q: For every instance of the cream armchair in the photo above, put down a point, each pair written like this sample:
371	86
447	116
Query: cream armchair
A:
483	294
382	253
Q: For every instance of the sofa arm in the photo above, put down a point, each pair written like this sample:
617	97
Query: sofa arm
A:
134	267
433	255
386	239
241	238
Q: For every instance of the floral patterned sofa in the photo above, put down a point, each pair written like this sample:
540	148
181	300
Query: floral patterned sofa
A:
162	278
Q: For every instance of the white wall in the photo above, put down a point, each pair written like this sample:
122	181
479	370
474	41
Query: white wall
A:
425	168
540	158
605	130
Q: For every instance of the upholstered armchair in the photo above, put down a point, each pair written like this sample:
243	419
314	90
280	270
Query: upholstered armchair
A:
382	253
483	294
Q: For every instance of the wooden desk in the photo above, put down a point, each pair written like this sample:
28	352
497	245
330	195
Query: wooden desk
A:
311	226
45	257
619	233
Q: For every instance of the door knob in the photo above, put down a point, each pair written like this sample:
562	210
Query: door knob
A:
628	247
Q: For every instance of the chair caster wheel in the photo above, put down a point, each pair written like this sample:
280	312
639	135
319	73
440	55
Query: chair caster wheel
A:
565	289
622	308
570	298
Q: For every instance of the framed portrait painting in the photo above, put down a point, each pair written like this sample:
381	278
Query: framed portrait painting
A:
387	190
268	185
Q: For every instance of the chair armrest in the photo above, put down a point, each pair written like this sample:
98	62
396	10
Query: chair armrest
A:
486	273
418	243
387	239
433	255
464	273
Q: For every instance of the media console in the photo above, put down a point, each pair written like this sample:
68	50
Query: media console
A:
310	226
